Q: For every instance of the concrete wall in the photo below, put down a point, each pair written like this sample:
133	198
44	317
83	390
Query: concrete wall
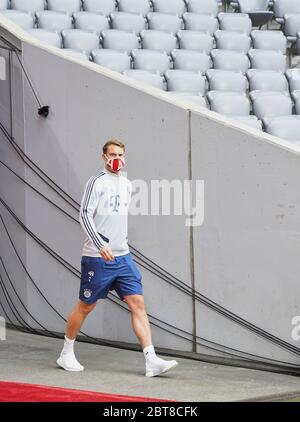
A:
246	250
12	191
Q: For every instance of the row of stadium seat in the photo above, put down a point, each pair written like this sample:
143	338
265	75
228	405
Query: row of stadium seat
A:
107	6
179	7
272	111
220	80
49	19
186	39
157	62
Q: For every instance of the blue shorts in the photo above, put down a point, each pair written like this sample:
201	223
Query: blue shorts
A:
99	276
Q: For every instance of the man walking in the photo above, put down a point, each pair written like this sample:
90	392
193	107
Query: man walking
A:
107	263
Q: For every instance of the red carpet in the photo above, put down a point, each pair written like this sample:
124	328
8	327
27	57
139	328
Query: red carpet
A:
19	392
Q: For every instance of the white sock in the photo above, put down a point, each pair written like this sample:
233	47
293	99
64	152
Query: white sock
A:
149	353
68	346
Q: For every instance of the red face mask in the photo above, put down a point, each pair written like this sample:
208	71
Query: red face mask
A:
115	164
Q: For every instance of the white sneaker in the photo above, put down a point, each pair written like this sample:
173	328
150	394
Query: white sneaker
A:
69	362
159	366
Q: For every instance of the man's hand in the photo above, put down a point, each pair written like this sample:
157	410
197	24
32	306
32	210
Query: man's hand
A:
106	253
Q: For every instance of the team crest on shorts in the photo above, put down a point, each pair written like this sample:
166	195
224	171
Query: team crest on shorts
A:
87	293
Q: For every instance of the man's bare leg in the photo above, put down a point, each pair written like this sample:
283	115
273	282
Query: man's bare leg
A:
67	359
141	328
77	317
139	319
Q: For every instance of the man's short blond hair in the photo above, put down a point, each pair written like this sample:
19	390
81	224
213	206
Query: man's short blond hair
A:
112	142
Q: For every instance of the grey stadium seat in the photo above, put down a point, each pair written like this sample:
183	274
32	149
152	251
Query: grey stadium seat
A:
269	40
49	37
226	80
246	6
285	127
24	19
203	23
267	80
164	22
78	39
269	104
229	103
293	76
174	7
230	40
191	60
185	81
28	6
76	53
267	59
158	40
230	60
260	93
127	22
291	26
204	7
239	22
149	78
257	11
141	7
153	61
114	39
4	4
90	21
54	21
251	121
112	59
194	40
68	6
106	7
283	7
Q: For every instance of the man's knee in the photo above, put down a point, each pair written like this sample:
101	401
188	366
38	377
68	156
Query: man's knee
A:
85	308
135	303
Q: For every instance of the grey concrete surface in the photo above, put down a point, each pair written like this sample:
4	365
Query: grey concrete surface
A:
31	358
